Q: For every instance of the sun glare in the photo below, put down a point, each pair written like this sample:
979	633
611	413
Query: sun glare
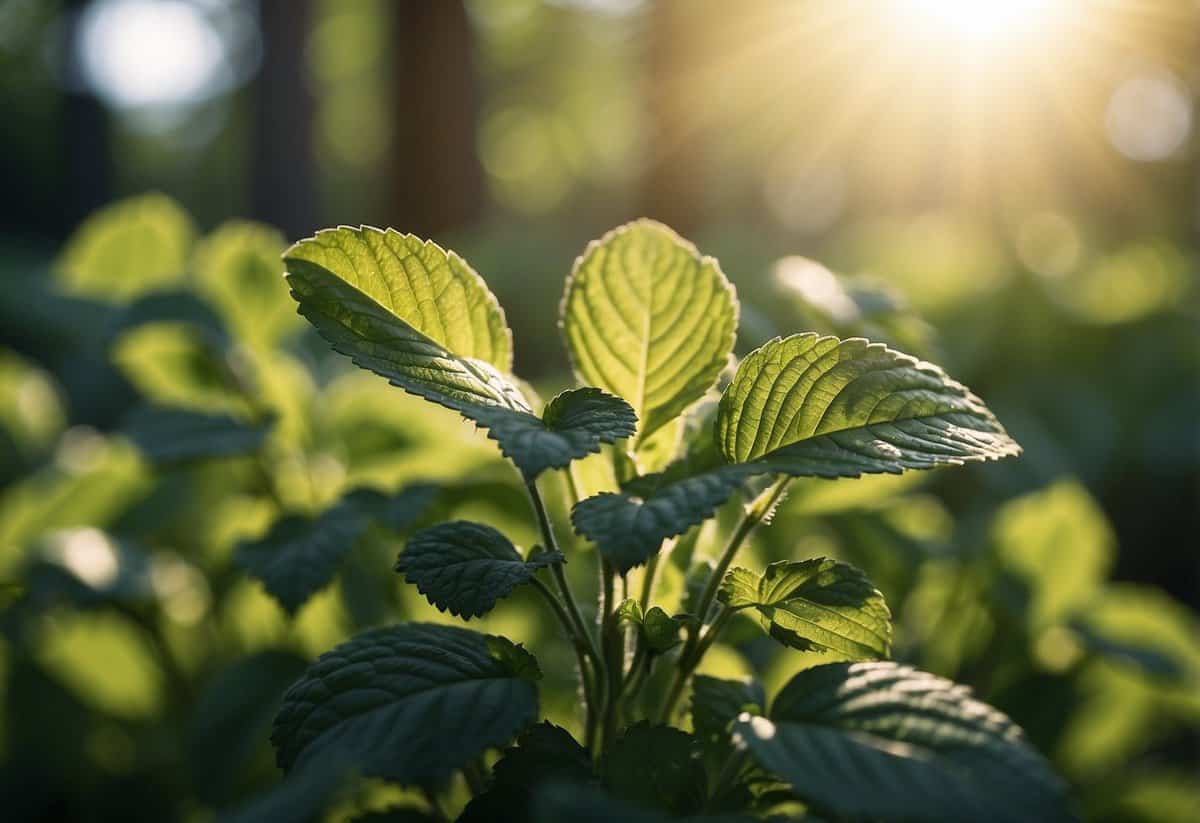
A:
977	20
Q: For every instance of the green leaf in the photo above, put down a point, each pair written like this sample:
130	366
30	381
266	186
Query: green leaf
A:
630	526
174	307
647	317
299	555
408	703
128	248
237	267
232	718
1057	546
573	425
716	703
881	740
464	567
661	630
544	754
814	605
408	311
171	435
655	767
819	406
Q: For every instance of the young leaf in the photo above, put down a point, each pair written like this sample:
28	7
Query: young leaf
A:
408	311
171	435
648	318
661	630
573	425
464	567
299	555
819	406
630	526
655	767
881	740
408	703
814	605
544	754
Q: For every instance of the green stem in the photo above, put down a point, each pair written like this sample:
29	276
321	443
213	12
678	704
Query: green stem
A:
613	643
587	675
435	806
560	579
692	652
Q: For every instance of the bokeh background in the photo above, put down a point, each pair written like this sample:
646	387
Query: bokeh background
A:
1011	190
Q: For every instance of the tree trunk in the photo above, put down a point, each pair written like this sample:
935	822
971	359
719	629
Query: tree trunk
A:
436	179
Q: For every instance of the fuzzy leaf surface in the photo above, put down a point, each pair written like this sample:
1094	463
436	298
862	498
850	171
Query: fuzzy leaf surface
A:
882	740
647	317
814	605
408	703
465	568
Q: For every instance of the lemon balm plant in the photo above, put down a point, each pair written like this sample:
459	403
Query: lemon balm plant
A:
649	324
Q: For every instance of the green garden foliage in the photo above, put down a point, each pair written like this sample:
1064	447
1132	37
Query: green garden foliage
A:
687	574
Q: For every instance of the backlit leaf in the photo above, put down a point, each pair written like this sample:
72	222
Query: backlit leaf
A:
819	406
814	605
648	318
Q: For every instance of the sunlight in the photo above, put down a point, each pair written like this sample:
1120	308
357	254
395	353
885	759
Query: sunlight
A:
977	21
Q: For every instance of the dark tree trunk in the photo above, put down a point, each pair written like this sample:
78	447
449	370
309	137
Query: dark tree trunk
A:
673	183
283	189
436	179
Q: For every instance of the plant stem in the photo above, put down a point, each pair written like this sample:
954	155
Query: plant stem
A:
694	649
560	579
587	675
613	643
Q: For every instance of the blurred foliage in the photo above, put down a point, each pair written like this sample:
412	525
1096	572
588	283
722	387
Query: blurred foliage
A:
135	651
983	216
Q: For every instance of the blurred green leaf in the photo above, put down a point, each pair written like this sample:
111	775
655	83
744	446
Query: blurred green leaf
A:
172	364
232	717
407	703
1057	545
817	604
648	318
884	740
464	567
238	267
167	435
300	555
128	248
